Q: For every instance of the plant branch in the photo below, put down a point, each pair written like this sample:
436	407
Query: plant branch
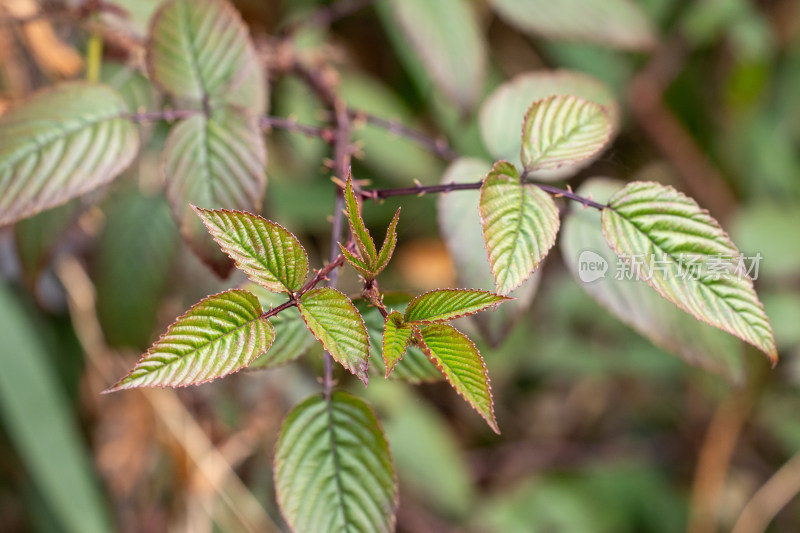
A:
438	146
323	85
266	122
421	190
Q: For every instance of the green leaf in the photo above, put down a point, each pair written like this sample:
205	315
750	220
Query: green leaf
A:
460	226
414	367
389	243
64	141
616	23
507	105
37	237
142	255
337	324
520	223
197	48
269	254
563	130
442	34
459	361
356	262
364	242
213	162
443	305
661	233
253	92
292	338
396	335
632	301
333	469
39	422
217	336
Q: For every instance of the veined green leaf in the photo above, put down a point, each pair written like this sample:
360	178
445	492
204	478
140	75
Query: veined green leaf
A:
442	34
269	254
520	223
443	305
461	364
666	237
617	23
507	105
562	130
389	242
253	92
197	48
214	162
464	238
337	324
62	142
356	262
414	367
364	242
219	335
632	301
396	335
333	469
292	338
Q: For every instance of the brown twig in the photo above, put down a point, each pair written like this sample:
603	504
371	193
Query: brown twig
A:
323	86
265	122
420	190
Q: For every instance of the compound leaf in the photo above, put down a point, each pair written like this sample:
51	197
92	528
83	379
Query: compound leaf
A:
459	361
414	367
396	334
269	254
217	336
197	48
520	223
442	305
337	324
63	142
211	162
333	469
684	254
618	23
563	130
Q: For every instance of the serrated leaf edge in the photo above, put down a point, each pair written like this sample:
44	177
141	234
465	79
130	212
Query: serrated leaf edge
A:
427	351
772	355
117	386
200	210
364	372
603	110
503	298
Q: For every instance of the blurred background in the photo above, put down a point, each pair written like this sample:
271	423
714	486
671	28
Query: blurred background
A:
604	429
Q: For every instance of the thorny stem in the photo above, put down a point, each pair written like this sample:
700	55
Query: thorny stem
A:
420	190
438	146
321	84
